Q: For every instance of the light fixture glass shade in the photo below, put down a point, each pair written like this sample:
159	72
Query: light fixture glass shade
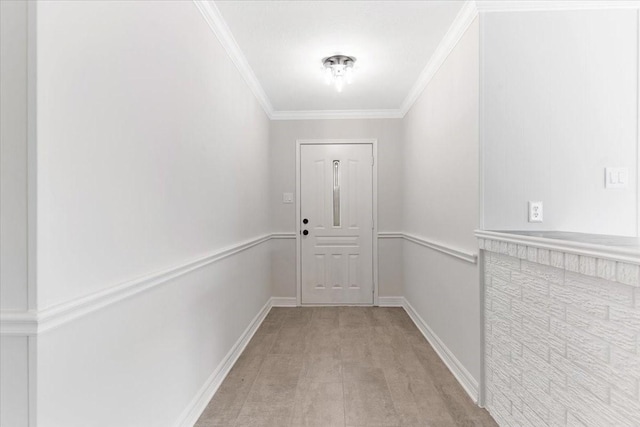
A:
349	75
328	76
339	82
338	69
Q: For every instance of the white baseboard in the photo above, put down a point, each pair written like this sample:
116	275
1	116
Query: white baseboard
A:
463	376
195	408
391	301
198	404
284	302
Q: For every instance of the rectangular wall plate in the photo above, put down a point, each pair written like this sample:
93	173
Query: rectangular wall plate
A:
616	177
535	211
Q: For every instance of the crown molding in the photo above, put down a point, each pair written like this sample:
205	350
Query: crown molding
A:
336	114
551	5
461	23
218	25
463	19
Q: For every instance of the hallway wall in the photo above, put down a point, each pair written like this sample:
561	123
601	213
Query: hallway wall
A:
160	180
15	293
441	204
560	103
152	176
283	136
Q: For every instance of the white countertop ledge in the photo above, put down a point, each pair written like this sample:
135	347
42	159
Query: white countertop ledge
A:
618	248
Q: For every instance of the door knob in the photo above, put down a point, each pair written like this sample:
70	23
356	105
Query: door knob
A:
305	221
305	232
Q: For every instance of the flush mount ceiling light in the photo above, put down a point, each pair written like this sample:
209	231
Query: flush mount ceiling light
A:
338	69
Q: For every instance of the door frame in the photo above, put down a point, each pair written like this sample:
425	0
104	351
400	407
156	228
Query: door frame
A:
374	144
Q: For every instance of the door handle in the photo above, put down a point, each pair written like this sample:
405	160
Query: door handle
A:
305	232
305	221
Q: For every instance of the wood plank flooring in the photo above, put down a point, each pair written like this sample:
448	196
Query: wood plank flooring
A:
340	366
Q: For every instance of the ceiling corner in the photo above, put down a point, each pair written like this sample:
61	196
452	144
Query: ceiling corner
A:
218	25
463	20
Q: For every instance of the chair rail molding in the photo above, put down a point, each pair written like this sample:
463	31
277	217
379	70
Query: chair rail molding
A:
516	245
34	322
283	235
437	246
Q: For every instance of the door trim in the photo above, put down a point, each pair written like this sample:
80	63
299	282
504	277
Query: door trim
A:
374	145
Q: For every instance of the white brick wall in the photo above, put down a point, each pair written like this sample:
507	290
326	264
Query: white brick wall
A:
562	338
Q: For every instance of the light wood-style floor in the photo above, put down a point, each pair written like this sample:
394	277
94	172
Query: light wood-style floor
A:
340	366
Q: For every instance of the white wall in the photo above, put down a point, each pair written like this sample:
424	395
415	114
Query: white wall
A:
142	361
152	152
14	292
282	157
13	155
441	202
151	149
559	96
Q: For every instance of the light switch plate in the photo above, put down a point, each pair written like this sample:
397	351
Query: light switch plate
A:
287	198
535	211
616	177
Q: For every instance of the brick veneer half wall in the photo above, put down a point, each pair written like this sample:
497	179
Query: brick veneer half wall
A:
562	337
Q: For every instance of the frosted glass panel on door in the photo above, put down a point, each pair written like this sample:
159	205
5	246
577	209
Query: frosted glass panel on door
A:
336	193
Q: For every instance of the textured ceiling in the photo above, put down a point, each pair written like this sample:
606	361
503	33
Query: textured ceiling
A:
285	41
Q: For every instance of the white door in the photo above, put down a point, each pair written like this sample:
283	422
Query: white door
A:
336	210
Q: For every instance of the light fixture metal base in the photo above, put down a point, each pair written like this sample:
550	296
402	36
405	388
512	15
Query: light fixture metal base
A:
331	61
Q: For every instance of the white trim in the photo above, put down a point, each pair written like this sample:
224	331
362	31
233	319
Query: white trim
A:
440	247
194	409
32	372
336	114
463	19
390	235
551	5
298	229
35	322
32	216
218	25
458	370
374	144
32	163
616	253
391	301
18	323
283	235
481	297
638	126
481	127
283	302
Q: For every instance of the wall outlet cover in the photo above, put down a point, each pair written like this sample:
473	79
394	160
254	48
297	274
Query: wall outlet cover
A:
535	211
